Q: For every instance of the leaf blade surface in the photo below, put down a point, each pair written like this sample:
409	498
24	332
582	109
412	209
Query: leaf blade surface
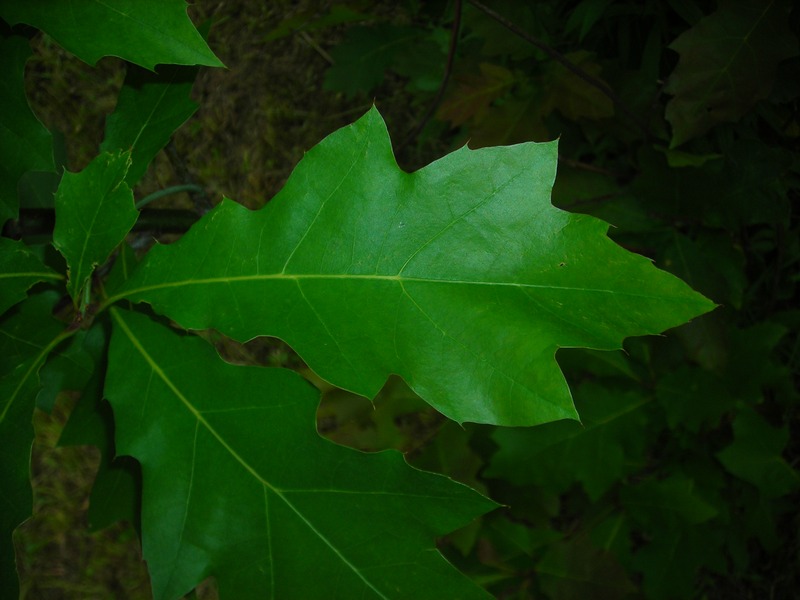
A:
461	277
144	32
237	483
94	213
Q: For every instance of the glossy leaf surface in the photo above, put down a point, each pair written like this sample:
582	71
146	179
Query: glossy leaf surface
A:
25	144
144	32
460	277
94	213
19	270
237	484
727	63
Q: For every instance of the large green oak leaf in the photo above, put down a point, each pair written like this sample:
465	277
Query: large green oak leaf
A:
238	485
728	62
144	32
94	213
460	277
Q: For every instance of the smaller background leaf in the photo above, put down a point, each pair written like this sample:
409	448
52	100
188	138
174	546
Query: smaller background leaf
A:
755	455
728	62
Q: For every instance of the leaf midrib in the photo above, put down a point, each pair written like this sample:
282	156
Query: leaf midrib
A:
235	455
339	277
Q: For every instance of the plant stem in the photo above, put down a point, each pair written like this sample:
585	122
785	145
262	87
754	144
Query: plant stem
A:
448	69
175	189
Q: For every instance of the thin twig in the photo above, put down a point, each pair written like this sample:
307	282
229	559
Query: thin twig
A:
569	65
315	46
576	164
175	189
448	69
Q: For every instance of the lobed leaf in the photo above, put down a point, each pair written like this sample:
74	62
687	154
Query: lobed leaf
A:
461	277
94	213
237	484
144	32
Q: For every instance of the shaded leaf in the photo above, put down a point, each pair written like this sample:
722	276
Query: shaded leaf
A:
19	270
472	93
66	370
755	455
572	96
674	517
461	277
364	56
692	397
27	336
310	20
596	453
116	490
25	144
676	496
238	485
574	569
728	62
149	109
94	213
144	32
585	15
671	560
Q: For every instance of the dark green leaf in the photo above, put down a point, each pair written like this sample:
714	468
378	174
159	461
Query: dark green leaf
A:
755	455
673	516
116	490
676	496
362	59
19	269
238	485
25	144
144	32
149	109
94	213
692	397
27	336
575	570
596	454
461	277
728	62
